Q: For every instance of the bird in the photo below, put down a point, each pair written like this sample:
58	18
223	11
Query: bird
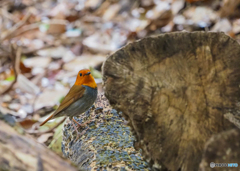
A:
79	99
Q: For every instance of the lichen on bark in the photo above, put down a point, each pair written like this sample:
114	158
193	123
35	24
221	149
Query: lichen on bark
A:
107	142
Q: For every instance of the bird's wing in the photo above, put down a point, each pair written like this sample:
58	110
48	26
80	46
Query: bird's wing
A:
75	93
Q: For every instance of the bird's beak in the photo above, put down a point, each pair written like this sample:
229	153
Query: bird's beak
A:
88	73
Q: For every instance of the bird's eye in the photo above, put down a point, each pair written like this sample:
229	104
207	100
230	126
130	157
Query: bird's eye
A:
80	74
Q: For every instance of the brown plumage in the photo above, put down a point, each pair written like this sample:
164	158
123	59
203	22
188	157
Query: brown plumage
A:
80	97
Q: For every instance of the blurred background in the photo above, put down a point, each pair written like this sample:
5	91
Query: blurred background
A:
44	43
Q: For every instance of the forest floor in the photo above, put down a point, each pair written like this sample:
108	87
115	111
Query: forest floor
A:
44	43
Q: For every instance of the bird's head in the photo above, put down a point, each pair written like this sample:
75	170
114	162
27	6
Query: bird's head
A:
84	77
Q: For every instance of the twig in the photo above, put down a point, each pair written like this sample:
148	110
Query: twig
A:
16	64
27	28
16	26
47	131
17	61
5	3
6	14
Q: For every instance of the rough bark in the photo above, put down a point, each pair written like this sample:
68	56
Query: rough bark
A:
174	89
20	152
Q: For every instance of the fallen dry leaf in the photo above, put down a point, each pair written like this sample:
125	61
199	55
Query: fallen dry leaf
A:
200	16
38	61
92	4
27	123
236	26
111	12
106	43
6	98
26	85
176	6
222	25
191	1
56	28
57	52
229	8
24	69
44	137
14	106
52	96
85	61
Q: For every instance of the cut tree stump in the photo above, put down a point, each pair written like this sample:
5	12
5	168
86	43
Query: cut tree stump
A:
174	90
222	148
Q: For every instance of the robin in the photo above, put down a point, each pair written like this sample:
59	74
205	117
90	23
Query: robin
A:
79	99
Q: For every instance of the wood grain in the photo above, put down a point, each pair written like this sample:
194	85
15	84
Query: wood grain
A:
175	89
22	153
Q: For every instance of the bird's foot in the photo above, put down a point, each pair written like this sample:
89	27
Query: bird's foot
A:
76	128
83	124
78	124
80	134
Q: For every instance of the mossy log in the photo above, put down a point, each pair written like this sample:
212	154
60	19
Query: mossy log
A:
20	152
174	89
106	142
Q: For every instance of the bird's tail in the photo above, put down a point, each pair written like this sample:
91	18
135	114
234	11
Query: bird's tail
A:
50	117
